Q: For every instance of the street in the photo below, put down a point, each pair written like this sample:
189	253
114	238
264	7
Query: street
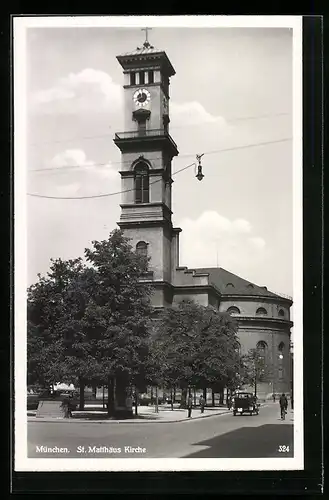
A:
222	436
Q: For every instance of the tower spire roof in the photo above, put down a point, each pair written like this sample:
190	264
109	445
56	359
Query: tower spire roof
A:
146	52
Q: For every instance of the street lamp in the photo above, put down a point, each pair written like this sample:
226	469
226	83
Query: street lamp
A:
199	175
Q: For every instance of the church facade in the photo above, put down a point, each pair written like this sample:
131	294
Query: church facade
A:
147	151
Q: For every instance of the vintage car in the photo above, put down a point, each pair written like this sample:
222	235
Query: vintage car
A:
245	402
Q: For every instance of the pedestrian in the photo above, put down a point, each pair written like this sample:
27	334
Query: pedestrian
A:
189	405
66	407
283	401
273	396
202	403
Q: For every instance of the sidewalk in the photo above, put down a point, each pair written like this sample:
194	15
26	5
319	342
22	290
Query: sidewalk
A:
146	414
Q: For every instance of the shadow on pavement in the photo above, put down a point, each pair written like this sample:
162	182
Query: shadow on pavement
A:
104	416
250	442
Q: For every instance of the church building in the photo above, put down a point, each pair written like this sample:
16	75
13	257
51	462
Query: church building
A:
147	150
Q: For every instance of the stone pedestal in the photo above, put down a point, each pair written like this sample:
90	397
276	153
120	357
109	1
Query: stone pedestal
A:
50	408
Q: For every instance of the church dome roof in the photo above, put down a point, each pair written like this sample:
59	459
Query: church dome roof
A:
231	284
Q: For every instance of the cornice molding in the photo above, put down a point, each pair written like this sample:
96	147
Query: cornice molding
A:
261	298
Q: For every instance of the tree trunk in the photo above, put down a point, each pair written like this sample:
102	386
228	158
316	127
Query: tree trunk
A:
156	400
172	398
174	393
194	395
151	395
205	395
136	401
121	387
212	397
221	397
228	394
183	398
110	396
103	397
82	395
94	388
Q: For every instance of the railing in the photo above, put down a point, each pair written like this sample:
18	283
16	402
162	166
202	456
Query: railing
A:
138	134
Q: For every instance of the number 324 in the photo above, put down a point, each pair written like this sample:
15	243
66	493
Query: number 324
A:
283	448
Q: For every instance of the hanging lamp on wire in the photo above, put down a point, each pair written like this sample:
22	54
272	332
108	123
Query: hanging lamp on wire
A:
199	175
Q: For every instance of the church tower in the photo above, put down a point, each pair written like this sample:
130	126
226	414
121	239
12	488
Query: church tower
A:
147	150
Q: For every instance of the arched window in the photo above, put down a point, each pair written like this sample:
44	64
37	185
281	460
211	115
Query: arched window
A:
141	248
281	312
141	183
233	310
261	347
229	285
250	286
281	347
261	311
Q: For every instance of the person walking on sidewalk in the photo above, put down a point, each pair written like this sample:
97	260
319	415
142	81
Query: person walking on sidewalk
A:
283	401
202	403
189	405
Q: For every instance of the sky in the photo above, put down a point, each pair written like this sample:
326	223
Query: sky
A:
232	90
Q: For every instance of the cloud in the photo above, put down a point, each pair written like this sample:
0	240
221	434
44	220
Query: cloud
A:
241	225
258	243
63	228
192	113
53	94
75	175
89	90
211	240
95	90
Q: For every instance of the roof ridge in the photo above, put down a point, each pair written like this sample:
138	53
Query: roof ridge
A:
241	284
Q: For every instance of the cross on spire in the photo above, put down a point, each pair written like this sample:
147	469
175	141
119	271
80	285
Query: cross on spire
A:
146	43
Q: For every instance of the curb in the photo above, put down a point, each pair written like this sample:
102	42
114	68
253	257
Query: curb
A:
128	421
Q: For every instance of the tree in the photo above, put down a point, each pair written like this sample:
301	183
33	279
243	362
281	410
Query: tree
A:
48	314
254	369
195	346
88	322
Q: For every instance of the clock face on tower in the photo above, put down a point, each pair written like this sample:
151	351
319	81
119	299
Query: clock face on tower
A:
141	97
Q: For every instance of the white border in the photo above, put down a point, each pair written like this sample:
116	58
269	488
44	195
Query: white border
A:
22	463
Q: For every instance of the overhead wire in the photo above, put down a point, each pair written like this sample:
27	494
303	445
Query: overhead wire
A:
122	162
103	164
158	180
105	194
173	127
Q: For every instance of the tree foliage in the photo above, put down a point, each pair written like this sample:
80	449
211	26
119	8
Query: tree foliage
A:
194	345
88	321
255	368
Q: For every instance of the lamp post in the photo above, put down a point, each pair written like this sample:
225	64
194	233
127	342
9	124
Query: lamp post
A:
257	371
291	376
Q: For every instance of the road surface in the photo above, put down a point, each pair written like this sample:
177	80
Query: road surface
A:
264	435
